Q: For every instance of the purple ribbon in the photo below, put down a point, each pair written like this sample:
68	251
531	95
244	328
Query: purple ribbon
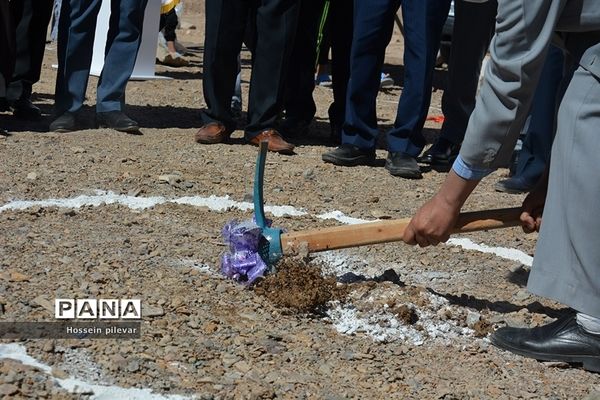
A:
242	262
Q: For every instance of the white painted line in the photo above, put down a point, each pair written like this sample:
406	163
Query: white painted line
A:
223	203
18	352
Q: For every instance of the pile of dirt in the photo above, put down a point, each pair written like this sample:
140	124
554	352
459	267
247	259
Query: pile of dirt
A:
300	287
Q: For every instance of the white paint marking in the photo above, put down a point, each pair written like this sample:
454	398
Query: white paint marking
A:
503	252
18	352
223	203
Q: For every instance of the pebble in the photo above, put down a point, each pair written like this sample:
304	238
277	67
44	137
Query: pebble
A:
32	176
151	311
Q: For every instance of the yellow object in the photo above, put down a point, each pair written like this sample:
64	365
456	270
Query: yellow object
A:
168	5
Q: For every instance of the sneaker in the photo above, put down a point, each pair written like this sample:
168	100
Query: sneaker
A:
403	165
323	80
348	155
386	81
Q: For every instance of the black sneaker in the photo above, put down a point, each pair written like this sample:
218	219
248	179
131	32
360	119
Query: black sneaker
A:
66	122
116	120
403	165
441	155
348	155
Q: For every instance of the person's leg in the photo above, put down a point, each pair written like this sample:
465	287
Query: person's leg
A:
373	25
340	27
225	27
77	26
423	22
7	53
31	18
276	23
122	45
299	105
473	30
535	153
566	263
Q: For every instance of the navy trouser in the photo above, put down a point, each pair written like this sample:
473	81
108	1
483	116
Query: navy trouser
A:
537	145
76	31
373	26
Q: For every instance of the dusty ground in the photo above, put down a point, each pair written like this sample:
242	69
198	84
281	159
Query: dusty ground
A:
413	323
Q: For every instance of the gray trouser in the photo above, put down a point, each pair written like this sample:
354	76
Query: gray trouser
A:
566	266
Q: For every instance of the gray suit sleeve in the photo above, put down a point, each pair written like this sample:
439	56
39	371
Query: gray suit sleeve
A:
524	30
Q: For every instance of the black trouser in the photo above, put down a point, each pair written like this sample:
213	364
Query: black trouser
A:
168	24
473	30
225	25
31	18
7	46
341	14
299	103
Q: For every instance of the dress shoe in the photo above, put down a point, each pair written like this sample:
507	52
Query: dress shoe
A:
116	120
349	155
441	155
211	133
276	143
4	106
514	185
25	109
403	165
562	340
295	127
66	122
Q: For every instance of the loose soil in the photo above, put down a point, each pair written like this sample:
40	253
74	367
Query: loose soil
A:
133	218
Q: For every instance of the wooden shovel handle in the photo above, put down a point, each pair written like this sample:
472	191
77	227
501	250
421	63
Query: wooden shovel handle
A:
339	237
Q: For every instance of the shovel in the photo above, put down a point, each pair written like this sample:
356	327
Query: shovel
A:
274	243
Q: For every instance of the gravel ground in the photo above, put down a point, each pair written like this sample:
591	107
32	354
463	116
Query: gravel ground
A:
102	214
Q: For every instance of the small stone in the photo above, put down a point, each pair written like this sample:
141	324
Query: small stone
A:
473	318
8	389
150	311
242	366
44	303
59	373
48	347
522	295
134	192
309	174
380	214
133	366
188	184
18	277
77	149
32	176
171	179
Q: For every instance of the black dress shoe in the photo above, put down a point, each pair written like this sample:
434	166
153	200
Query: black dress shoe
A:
25	109
348	155
403	165
514	185
562	340
440	155
4	106
66	122
116	120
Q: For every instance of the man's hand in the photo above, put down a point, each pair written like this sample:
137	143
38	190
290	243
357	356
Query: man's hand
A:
433	223
533	206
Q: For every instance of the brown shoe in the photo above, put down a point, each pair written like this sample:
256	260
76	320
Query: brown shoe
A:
211	133
276	142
